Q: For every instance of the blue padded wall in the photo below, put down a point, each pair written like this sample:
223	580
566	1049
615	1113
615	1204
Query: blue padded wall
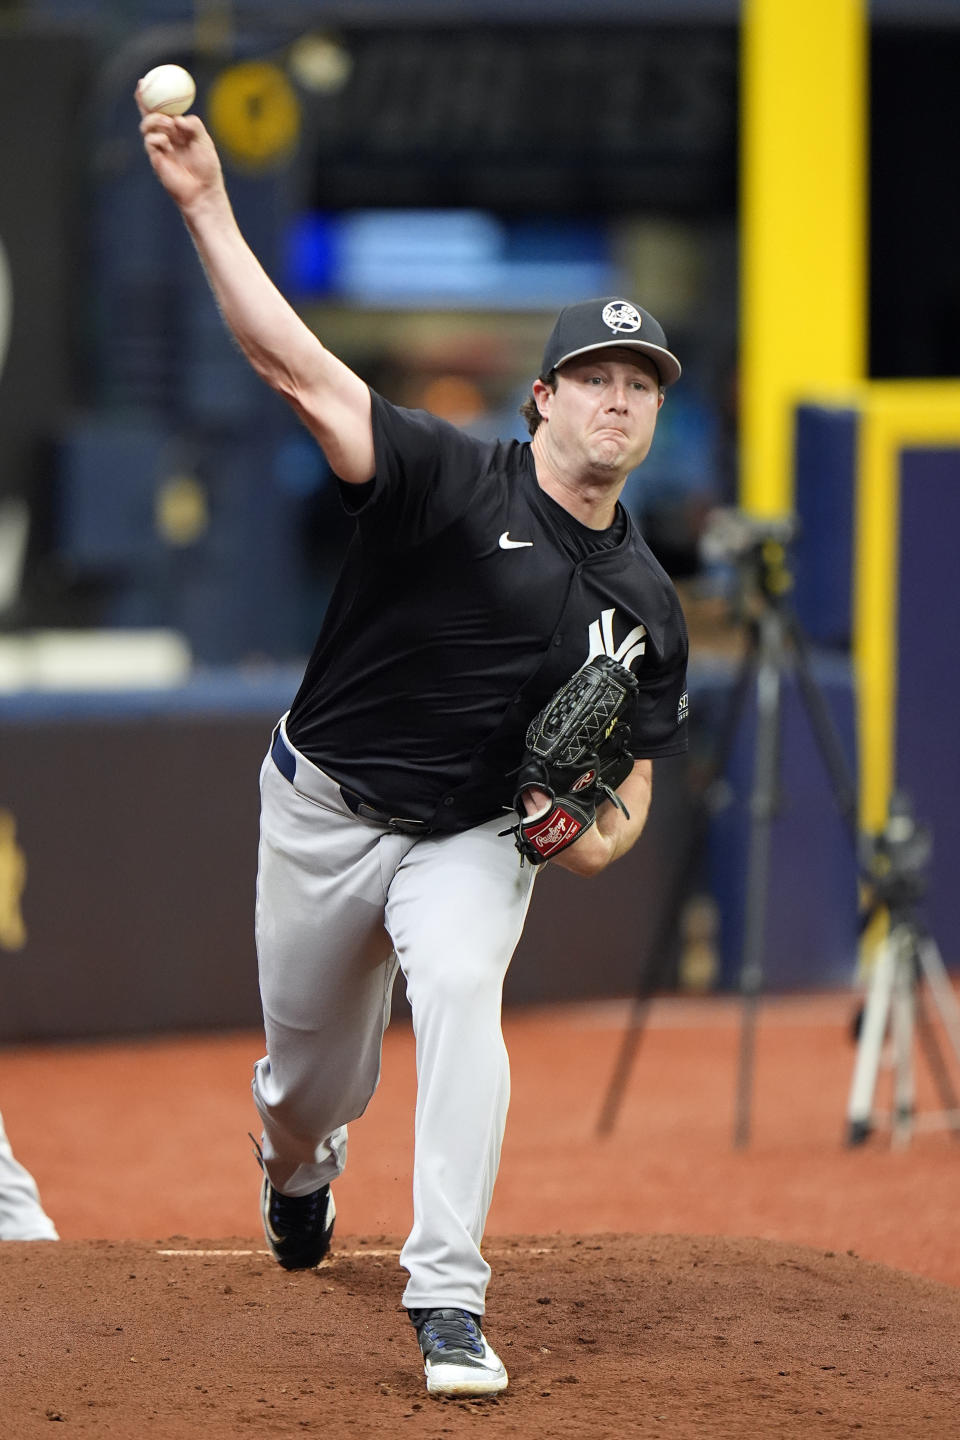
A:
825	459
928	686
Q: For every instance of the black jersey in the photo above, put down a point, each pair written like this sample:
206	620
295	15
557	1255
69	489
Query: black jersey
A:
467	597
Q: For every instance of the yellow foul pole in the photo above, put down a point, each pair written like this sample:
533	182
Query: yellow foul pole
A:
803	225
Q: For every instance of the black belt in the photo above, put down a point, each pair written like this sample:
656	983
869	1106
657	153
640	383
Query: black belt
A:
286	763
392	822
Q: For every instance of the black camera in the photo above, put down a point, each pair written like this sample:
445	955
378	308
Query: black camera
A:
732	535
896	859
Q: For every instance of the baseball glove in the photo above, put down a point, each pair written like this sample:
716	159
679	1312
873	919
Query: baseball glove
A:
578	752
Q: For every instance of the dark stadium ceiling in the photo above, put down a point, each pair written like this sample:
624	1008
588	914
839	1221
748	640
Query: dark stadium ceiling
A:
412	12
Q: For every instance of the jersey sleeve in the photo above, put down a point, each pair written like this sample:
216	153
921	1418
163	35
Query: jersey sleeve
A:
426	471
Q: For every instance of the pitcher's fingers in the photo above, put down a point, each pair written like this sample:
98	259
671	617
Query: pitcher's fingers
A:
158	144
153	123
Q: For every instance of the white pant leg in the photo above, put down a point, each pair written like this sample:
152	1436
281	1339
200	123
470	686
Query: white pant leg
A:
326	972
22	1217
455	912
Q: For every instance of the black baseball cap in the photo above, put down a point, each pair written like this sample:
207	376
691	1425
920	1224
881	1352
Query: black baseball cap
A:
599	324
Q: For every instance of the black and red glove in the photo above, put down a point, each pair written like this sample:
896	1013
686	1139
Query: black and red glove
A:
578	752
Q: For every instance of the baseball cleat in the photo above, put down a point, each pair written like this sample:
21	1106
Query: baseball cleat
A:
298	1228
456	1357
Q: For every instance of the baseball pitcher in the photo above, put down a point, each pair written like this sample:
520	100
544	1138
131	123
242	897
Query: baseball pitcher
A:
499	664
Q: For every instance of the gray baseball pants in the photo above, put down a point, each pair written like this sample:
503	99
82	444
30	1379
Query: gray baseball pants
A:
340	902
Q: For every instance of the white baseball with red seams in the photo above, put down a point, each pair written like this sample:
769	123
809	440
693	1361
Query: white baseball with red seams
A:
168	89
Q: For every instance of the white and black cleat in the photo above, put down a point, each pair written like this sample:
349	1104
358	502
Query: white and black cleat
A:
457	1359
298	1228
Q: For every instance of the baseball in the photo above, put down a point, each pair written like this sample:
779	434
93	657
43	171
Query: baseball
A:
168	89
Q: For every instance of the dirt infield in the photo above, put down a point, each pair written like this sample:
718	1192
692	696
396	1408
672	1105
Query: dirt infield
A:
633	1305
603	1336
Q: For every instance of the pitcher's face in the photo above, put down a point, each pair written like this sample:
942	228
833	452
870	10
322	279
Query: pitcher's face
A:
603	413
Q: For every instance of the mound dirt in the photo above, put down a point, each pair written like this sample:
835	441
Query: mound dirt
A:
666	1337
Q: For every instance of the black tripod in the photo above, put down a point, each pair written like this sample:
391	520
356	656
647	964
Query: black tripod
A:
895	865
774	638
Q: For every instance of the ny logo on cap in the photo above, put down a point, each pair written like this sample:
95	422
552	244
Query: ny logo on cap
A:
620	315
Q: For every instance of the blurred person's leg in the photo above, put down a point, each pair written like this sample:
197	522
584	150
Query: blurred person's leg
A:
22	1217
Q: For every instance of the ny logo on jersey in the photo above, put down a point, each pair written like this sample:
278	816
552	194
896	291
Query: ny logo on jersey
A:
600	641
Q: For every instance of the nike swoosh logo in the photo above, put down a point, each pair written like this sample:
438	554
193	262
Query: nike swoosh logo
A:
507	544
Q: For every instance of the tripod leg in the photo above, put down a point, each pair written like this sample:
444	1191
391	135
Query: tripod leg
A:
652	974
824	729
935	974
938	1068
872	1031
762	806
901	1029
629	1046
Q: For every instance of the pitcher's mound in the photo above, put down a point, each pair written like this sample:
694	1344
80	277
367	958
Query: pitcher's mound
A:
609	1335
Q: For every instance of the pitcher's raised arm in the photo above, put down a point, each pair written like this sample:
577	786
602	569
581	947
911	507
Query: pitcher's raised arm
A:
332	401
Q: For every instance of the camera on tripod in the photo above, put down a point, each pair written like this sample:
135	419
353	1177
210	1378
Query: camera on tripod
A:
894	863
730	536
757	548
895	860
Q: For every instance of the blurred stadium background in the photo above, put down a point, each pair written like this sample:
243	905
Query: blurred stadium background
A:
428	184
